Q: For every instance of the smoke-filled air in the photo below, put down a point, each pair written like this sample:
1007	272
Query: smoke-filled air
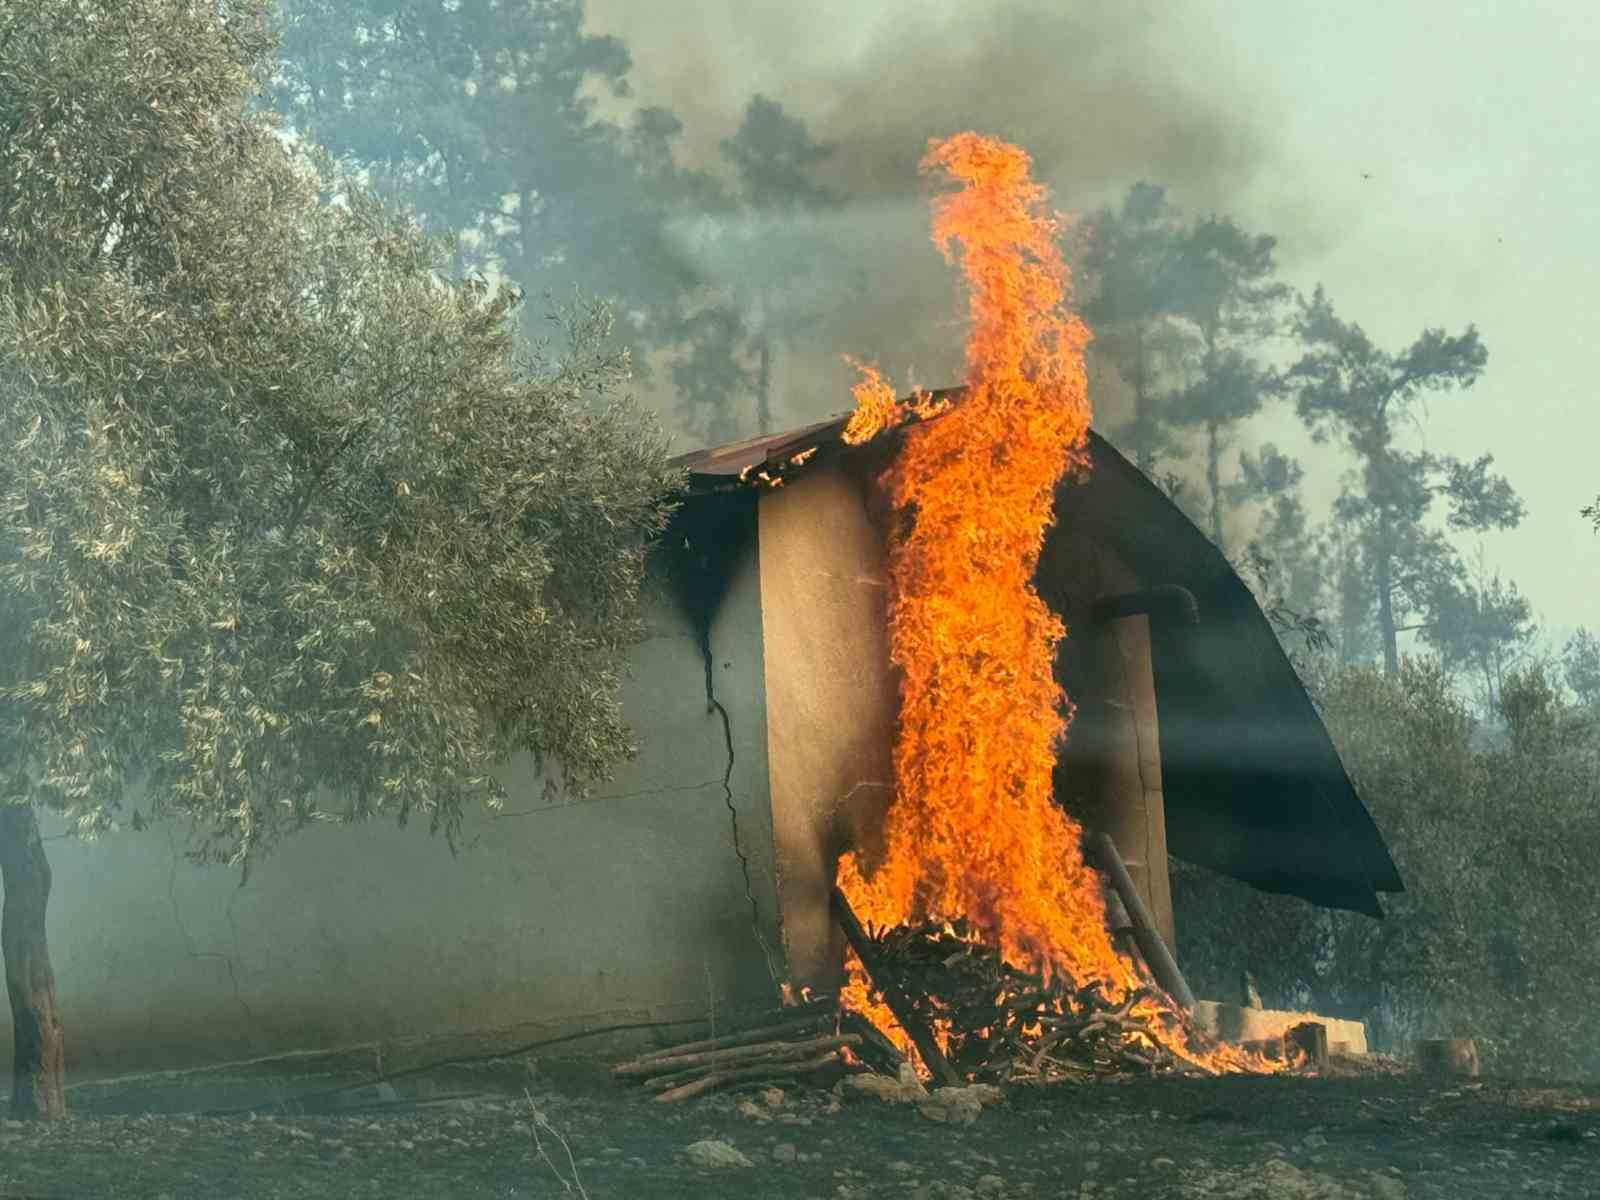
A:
873	597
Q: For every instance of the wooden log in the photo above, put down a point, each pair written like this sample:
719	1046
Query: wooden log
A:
877	1050
919	1034
717	1079
764	1033
711	1058
1450	1057
1270	1048
1311	1038
1162	965
693	1070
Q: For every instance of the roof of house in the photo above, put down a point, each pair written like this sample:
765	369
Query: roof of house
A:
1255	789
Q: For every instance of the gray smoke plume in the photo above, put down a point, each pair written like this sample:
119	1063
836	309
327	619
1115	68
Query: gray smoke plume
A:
1101	94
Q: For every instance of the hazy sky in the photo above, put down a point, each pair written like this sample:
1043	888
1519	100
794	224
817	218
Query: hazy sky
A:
1478	122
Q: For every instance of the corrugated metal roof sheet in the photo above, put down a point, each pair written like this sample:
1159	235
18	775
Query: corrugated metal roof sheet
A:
737	458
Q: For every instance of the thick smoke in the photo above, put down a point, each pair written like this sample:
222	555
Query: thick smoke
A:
1101	94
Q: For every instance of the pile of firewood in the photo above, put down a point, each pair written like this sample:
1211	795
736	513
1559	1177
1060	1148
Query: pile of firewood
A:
1001	1023
972	1017
800	1041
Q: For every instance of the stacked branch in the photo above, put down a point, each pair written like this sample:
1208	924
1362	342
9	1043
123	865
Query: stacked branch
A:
1000	1023
803	1043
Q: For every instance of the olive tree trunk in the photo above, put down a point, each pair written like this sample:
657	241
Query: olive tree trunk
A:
38	1059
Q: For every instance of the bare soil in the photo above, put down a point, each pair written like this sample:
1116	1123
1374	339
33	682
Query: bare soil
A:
1370	1136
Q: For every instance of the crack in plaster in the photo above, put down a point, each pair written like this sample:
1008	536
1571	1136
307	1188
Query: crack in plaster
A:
713	704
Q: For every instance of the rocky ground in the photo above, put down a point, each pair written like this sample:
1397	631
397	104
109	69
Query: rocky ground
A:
1367	1136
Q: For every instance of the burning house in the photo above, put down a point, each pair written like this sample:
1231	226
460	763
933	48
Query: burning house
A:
765	703
862	641
1191	736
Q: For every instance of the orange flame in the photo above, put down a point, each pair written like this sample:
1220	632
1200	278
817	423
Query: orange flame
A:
974	832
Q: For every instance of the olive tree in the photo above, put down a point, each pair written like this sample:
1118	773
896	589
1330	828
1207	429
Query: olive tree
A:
291	529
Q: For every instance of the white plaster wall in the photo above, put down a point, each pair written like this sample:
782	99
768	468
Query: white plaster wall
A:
627	906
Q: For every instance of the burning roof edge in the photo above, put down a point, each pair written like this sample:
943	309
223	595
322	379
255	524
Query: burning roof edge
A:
1269	802
761	460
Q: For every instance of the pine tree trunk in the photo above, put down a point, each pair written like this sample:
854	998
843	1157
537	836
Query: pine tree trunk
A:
764	387
1144	437
1391	649
38	1051
1214	480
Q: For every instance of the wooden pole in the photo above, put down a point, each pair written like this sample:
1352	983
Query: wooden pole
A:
933	1058
876	1049
747	1037
708	1083
755	1050
1156	955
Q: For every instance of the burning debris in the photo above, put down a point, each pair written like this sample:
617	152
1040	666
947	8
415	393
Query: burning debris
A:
971	1016
975	1021
773	472
997	1023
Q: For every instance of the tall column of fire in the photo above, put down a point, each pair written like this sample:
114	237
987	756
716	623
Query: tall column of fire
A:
974	832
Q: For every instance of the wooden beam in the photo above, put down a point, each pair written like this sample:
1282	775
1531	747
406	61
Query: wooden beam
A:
1156	955
932	1057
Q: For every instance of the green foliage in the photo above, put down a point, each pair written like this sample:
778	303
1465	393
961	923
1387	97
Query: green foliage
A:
1482	625
1182	312
1346	386
454	108
774	157
1179	311
1277	587
482	117
761	263
1128	257
1492	937
1224	288
1580	663
289	529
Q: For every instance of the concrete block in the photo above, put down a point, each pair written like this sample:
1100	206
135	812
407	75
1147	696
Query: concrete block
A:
1234	1023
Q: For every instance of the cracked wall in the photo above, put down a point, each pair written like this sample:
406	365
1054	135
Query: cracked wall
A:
557	915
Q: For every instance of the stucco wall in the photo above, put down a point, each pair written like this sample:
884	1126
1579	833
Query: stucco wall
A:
627	906
831	699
